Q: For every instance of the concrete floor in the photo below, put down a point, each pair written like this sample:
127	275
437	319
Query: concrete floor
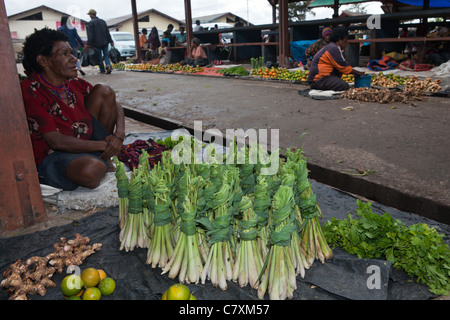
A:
399	146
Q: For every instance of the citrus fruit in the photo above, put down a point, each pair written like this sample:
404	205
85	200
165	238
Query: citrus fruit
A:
178	292
92	293
192	297
90	277
107	286
73	298
71	285
164	296
102	274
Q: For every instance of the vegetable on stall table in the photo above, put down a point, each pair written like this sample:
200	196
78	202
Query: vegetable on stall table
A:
249	261
122	190
279	276
186	261
219	264
160	248
134	231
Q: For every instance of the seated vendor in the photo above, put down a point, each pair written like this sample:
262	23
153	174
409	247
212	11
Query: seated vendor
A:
329	64
316	46
75	128
197	56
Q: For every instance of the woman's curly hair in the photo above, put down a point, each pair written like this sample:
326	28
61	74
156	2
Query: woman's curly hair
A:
40	42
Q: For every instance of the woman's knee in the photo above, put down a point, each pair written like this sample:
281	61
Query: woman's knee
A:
103	91
86	171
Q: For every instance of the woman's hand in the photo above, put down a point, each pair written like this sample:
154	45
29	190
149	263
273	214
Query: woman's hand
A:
113	147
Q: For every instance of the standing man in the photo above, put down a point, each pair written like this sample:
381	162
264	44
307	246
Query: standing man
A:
99	38
197	26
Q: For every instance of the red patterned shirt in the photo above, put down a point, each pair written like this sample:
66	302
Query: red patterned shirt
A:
46	113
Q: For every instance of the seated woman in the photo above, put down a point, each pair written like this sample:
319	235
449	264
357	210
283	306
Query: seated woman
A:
197	56
75	127
152	53
329	64
165	55
316	46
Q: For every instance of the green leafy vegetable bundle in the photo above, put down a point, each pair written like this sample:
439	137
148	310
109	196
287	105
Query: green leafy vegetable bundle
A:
224	221
418	250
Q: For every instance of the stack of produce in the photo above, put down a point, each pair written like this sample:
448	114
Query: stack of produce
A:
163	68
229	222
382	95
410	83
387	81
419	250
34	275
348	78
280	74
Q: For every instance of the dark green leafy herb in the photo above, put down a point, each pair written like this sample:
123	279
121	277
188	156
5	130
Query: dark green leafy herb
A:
234	71
418	250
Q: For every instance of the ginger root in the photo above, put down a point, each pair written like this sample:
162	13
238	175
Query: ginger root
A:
34	276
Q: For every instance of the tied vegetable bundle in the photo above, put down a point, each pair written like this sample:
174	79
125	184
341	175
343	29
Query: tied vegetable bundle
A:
208	221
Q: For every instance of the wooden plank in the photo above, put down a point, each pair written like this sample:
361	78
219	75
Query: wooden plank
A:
18	174
415	39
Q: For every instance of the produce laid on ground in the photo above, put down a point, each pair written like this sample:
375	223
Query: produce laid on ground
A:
158	68
233	71
178	292
418	250
410	83
34	275
223	222
349	78
280	74
382	95
92	284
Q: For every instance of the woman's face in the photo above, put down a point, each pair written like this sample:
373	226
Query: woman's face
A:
62	63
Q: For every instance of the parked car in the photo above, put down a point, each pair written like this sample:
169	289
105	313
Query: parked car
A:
124	42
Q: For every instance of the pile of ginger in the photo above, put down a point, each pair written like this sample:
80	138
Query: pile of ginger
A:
34	275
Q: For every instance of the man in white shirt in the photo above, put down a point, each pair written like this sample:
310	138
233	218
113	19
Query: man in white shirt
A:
197	26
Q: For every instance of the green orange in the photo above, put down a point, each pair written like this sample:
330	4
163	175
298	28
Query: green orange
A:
71	285
90	277
107	286
92	293
178	292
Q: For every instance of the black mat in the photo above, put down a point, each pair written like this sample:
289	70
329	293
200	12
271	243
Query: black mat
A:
343	277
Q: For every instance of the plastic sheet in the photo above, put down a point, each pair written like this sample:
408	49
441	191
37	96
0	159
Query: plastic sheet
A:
343	277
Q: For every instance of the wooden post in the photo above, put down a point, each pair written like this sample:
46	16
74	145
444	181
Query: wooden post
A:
21	203
136	31
188	15
336	9
283	31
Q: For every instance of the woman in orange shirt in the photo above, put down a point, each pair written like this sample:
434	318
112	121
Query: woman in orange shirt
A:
143	41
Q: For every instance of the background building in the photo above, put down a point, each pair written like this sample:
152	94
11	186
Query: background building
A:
226	17
23	24
146	19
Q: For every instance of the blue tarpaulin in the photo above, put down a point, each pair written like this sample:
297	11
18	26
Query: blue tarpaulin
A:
298	49
433	3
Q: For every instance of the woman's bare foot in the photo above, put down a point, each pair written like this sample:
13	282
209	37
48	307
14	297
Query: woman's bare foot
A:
110	166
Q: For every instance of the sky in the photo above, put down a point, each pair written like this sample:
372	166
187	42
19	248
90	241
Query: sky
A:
256	11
